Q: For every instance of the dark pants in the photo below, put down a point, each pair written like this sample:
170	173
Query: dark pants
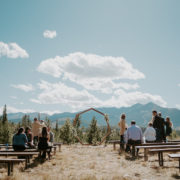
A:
19	148
133	143
159	135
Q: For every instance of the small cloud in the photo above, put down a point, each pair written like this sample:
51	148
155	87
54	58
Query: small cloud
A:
13	97
12	50
23	87
11	109
49	34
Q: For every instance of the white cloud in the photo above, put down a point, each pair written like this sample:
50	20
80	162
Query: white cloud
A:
59	93
11	109
12	50
179	84
24	87
49	34
125	99
13	97
178	106
91	71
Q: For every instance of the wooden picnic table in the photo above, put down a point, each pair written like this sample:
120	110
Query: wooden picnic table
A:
160	153
10	163
175	156
58	144
147	147
27	155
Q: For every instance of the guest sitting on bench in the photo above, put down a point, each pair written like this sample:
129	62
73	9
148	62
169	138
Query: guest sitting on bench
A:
19	140
29	137
43	141
150	134
134	136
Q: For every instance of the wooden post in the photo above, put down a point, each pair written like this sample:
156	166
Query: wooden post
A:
9	168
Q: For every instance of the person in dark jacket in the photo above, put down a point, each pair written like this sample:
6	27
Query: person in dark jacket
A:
158	125
169	126
163	126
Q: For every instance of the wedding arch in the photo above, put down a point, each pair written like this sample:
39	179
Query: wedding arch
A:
106	118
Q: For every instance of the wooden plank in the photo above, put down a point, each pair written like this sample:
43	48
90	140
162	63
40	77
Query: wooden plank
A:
165	150
158	146
4	160
174	155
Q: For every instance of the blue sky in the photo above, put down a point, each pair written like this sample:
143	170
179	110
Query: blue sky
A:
64	55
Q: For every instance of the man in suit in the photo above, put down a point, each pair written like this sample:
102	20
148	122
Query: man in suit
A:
158	125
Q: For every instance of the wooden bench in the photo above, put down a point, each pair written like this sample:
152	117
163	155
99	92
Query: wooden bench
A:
10	163
27	155
174	156
114	142
160	153
58	144
161	146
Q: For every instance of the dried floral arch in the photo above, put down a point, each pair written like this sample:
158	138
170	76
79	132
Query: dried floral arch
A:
106	119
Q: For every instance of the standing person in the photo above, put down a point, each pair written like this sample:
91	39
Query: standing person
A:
36	129
43	141
19	140
29	137
134	136
122	125
51	135
169	126
150	134
158	125
163	126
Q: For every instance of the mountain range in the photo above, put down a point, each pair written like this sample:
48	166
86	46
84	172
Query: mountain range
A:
141	113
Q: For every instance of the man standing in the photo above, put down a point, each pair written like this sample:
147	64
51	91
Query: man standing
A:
36	130
134	136
158	125
162	126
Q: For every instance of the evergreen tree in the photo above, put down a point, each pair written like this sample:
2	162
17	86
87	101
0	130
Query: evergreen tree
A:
67	132
94	134
5	129
4	116
56	128
47	121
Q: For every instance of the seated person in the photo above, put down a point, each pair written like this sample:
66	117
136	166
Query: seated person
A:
150	134
51	135
19	140
134	136
29	137
43	141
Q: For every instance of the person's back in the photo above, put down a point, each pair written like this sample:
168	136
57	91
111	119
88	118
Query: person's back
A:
134	133
19	140
36	128
150	133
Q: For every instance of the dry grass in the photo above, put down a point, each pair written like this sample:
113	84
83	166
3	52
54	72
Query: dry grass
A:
77	162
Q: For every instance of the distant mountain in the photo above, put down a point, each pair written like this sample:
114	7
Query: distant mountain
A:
142	114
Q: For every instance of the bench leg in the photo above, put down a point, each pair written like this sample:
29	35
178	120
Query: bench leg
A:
12	167
60	148
114	146
160	156
54	150
9	168
145	154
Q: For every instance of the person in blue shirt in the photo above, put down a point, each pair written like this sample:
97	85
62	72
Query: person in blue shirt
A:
134	136
20	140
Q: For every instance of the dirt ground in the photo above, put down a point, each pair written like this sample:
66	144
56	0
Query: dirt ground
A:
78	162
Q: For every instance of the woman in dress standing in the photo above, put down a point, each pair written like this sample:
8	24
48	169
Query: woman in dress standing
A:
122	125
169	126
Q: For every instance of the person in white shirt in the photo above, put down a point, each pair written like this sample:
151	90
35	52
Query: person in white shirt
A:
150	134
